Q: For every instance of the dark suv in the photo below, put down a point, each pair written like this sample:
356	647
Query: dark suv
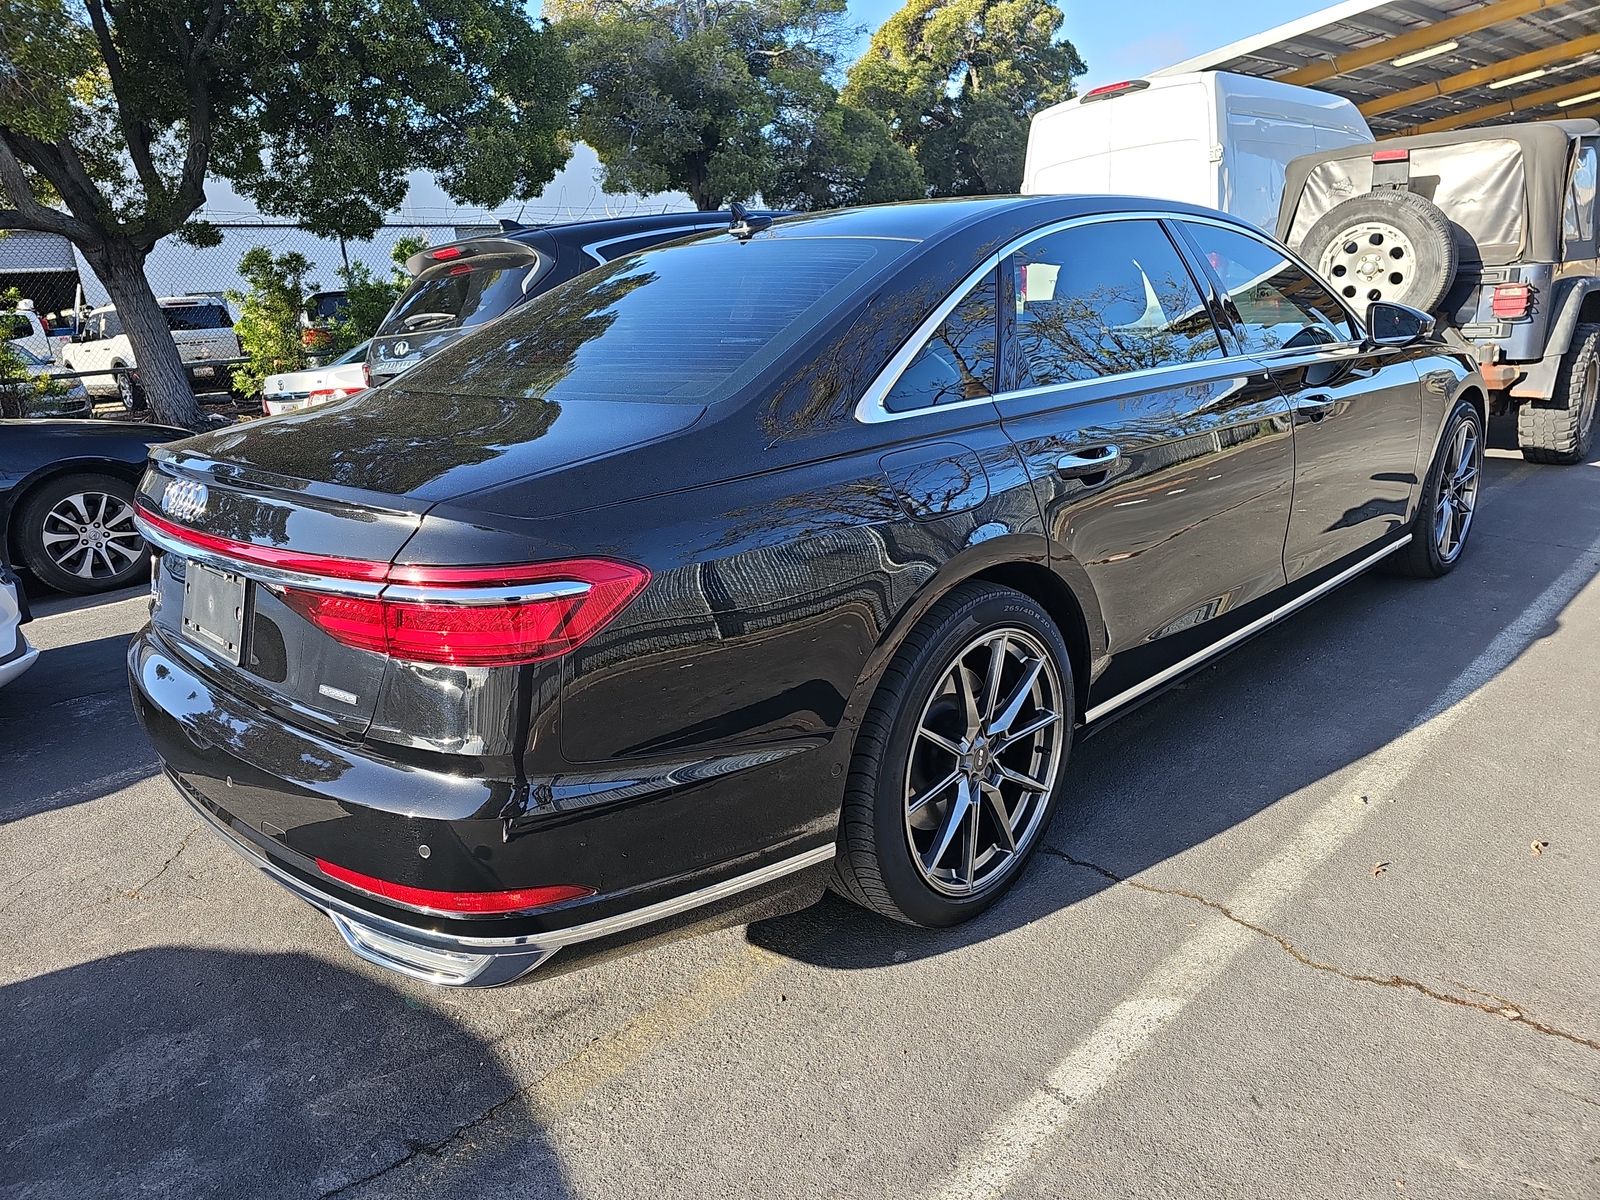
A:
462	286
1493	231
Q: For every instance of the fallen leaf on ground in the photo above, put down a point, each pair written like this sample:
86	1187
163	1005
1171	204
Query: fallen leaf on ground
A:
1537	848
1379	869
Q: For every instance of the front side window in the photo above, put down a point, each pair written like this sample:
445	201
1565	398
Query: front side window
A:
1578	221
194	317
1281	306
1107	298
958	361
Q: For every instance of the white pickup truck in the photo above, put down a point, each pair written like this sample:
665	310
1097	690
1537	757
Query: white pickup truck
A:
23	326
201	326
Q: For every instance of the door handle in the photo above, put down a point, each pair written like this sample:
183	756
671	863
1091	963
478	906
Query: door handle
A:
1313	405
1095	461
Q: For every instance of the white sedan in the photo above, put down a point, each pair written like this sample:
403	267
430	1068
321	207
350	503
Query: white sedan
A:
16	656
294	390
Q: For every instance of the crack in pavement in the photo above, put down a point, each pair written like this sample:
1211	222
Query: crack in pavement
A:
1502	1008
171	858
433	1149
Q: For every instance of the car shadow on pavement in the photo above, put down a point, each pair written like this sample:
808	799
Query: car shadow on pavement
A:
200	1072
1336	682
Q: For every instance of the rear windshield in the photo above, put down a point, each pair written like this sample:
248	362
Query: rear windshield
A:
466	294
689	323
326	306
198	316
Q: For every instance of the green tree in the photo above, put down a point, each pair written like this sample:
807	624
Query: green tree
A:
684	94
830	155
269	316
958	80
113	113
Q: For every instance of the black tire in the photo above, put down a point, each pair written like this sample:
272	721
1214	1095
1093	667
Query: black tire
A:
874	867
36	527
129	393
1424	557
1342	247
1561	429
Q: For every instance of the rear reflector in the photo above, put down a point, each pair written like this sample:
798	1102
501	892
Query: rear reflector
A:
1391	155
1512	301
518	900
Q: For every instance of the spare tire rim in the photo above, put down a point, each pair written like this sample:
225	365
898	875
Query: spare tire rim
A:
92	535
1458	492
1371	261
983	762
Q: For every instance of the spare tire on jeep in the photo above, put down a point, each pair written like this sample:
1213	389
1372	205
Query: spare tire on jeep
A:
1388	245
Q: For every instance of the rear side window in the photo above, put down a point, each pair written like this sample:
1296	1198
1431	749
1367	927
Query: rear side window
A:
15	325
107	325
466	294
1578	221
193	317
1280	306
689	323
1107	299
958	361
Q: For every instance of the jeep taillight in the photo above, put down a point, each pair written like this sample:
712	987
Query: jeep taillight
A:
1512	301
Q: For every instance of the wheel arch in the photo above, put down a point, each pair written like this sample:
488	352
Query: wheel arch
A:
20	492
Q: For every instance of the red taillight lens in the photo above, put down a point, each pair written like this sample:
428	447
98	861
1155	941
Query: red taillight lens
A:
1382	156
322	395
468	903
1512	300
446	253
478	616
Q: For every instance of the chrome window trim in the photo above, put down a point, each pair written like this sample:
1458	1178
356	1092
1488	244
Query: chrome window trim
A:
870	409
592	248
1238	635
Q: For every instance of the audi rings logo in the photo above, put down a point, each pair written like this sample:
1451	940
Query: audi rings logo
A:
184	499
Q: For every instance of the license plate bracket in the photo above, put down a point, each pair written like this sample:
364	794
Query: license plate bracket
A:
213	610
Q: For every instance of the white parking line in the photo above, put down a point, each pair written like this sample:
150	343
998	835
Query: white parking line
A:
1006	1149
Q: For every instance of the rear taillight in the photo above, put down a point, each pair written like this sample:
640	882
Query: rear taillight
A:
477	616
1108	90
1512	301
517	900
323	395
496	615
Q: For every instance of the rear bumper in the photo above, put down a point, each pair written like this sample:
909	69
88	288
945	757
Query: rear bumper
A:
237	768
454	960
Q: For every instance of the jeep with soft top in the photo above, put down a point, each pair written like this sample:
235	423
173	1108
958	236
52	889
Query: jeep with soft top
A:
1492	231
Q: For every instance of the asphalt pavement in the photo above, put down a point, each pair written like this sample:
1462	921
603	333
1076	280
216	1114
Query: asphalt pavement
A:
1319	923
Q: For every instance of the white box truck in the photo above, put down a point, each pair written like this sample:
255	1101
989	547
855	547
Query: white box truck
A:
1208	137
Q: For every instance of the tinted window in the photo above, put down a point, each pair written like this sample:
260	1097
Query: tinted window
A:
197	316
688	323
466	294
1106	299
1578	222
957	363
326	306
1281	306
108	325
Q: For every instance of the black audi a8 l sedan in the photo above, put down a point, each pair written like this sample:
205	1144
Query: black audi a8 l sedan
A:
782	557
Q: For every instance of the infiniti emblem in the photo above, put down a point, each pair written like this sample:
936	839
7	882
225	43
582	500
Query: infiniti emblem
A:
401	349
184	499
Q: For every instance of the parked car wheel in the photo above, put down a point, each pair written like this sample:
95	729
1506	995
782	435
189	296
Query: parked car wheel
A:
959	762
128	390
76	533
1449	501
1394	246
1561	429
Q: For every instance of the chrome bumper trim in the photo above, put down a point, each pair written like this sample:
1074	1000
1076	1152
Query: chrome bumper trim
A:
458	961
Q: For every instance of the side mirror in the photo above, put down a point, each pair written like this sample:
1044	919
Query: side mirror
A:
1390	324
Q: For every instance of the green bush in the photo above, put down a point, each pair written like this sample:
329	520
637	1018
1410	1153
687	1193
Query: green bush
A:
269	316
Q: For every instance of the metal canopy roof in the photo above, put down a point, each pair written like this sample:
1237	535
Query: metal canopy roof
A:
1415	67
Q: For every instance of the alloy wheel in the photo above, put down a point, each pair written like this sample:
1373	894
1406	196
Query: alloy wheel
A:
126	391
92	535
1371	261
1458	492
983	761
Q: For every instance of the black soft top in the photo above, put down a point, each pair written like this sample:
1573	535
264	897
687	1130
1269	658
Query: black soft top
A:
1538	189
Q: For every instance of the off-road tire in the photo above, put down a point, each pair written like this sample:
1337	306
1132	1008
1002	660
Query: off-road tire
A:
1421	559
1561	429
1424	225
873	866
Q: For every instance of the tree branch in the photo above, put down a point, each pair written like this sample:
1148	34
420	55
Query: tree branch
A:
28	213
136	132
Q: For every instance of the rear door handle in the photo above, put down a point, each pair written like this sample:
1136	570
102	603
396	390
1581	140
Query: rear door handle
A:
1095	461
1313	405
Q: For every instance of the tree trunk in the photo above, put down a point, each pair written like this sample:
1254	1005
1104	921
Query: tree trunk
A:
161	373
